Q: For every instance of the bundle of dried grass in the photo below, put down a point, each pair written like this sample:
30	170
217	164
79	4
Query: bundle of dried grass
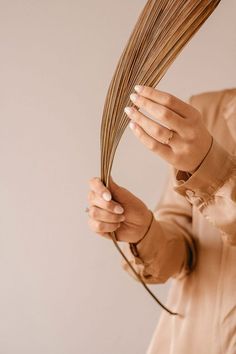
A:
162	30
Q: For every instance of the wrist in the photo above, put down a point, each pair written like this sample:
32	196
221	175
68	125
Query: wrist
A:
145	248
204	157
134	244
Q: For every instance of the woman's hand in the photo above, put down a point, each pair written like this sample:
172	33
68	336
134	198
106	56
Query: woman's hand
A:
190	141
127	215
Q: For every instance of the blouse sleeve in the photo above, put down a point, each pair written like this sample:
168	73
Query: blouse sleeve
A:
168	249
212	189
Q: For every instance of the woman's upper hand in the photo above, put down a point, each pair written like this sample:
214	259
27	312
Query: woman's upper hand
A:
190	141
116	210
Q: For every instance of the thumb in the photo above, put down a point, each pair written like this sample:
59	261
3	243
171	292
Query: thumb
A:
118	192
116	189
112	180
113	184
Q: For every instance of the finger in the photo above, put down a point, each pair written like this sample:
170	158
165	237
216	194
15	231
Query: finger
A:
99	226
163	150
111	206
98	187
155	130
104	234
163	114
99	214
166	99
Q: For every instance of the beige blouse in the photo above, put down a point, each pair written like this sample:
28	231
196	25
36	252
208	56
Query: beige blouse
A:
194	243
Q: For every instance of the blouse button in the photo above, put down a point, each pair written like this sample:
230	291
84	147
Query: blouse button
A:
189	193
192	197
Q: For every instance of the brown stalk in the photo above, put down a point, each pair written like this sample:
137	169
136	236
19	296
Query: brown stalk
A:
162	30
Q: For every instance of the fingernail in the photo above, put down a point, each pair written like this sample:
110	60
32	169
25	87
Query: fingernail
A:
132	125
128	110
118	209
138	88
106	196
133	97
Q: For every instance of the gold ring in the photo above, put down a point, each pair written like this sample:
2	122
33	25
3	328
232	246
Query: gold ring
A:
167	142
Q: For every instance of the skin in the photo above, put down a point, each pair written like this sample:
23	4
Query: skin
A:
186	150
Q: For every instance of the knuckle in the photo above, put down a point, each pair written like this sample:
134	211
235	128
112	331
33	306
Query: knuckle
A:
108	205
186	149
165	114
95	225
93	180
152	93
157	130
163	133
152	145
168	99
104	234
191	135
90	196
93	212
143	102
96	184
100	226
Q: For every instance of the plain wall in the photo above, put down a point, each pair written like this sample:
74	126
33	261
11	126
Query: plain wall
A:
62	290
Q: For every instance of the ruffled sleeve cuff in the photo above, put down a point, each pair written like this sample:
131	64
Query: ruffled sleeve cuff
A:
150	248
208	178
161	254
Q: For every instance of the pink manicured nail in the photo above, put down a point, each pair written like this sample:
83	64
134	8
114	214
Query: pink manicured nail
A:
106	196
133	97
138	88
129	110
118	209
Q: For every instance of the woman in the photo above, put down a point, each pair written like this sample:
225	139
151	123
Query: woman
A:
192	236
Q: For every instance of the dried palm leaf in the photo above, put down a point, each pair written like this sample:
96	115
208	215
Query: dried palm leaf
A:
162	30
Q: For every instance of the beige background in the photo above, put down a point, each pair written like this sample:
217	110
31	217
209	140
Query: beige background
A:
62	289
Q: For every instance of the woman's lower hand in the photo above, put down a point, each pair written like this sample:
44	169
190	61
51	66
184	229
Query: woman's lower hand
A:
116	210
177	134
